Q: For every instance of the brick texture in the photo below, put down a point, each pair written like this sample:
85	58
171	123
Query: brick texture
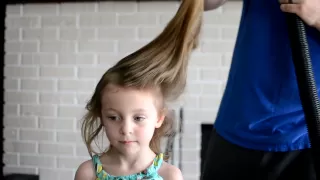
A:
55	53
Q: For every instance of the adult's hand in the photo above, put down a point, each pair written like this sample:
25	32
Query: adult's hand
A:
213	4
307	10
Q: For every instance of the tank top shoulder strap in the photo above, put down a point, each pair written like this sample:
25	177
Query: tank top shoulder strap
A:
100	174
158	161
156	165
151	172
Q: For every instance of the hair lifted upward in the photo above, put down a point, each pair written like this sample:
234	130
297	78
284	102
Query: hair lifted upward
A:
161	64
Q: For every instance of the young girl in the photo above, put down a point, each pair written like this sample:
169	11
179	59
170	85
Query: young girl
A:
128	104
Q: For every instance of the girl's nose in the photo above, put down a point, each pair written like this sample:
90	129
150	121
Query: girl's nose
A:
126	127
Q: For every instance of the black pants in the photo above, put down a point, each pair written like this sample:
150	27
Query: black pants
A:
226	161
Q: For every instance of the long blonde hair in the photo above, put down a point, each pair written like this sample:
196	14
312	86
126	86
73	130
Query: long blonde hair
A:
161	64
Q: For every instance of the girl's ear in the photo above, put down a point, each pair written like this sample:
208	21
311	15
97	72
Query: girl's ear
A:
160	120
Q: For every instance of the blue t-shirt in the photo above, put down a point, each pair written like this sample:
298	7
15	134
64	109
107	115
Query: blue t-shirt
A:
261	108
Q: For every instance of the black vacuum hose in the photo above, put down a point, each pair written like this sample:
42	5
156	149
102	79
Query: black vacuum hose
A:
306	83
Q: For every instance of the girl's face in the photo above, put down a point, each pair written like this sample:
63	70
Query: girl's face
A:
129	117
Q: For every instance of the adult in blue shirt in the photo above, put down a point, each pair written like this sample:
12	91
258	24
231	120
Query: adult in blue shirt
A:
260	131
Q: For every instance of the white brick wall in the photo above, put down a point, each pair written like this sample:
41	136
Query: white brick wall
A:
56	53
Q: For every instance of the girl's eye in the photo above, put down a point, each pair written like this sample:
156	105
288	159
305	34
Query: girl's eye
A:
139	118
113	118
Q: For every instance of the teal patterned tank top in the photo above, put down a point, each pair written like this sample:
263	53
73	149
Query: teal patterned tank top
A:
151	173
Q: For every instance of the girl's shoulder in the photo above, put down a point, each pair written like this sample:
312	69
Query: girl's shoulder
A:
170	172
85	171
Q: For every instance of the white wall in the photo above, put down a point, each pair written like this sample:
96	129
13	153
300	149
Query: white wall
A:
56	53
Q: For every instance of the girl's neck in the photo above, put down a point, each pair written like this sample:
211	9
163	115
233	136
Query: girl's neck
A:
129	161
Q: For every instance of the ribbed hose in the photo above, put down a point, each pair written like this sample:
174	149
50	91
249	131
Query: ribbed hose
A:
306	83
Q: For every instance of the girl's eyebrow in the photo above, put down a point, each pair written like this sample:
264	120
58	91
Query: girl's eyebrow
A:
140	110
108	109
